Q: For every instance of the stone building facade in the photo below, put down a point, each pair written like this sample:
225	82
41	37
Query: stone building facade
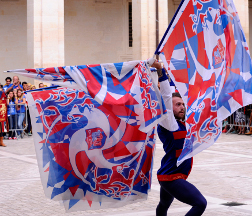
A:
48	33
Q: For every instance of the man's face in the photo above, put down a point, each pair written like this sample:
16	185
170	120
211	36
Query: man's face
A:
25	86
15	80
41	85
8	82
178	108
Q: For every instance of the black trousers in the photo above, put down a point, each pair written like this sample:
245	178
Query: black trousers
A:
182	191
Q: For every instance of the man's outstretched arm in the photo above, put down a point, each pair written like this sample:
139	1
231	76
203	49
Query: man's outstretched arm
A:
166	91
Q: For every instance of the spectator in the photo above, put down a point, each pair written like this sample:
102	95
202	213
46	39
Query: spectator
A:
7	85
28	130
225	126
41	85
15	93
25	86
12	115
20	110
28	86
250	124
15	85
231	120
3	114
240	119
33	87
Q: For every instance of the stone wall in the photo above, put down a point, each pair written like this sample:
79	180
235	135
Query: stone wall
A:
96	31
13	37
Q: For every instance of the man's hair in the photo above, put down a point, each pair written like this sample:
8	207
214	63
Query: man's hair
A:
176	94
40	84
8	78
24	83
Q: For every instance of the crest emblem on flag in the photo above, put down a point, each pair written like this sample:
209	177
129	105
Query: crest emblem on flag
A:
95	138
218	54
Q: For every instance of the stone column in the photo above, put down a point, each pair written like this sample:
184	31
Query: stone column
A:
144	28
163	17
136	29
45	33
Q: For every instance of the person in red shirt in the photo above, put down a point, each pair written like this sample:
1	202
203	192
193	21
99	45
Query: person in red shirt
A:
3	114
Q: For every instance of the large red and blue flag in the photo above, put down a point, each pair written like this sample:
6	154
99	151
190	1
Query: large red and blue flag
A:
205	52
95	138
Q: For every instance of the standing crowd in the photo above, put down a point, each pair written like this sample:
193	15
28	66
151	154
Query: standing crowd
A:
18	122
240	122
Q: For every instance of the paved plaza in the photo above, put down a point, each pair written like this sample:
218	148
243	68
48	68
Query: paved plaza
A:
223	173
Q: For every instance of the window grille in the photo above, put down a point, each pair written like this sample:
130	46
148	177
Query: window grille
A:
130	25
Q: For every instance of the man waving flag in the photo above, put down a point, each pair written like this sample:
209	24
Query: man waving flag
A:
205	52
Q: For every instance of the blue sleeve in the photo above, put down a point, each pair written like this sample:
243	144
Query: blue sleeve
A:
6	87
163	77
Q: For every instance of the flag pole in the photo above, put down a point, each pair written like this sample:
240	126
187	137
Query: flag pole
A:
157	28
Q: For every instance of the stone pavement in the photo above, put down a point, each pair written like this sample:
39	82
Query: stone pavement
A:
223	173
